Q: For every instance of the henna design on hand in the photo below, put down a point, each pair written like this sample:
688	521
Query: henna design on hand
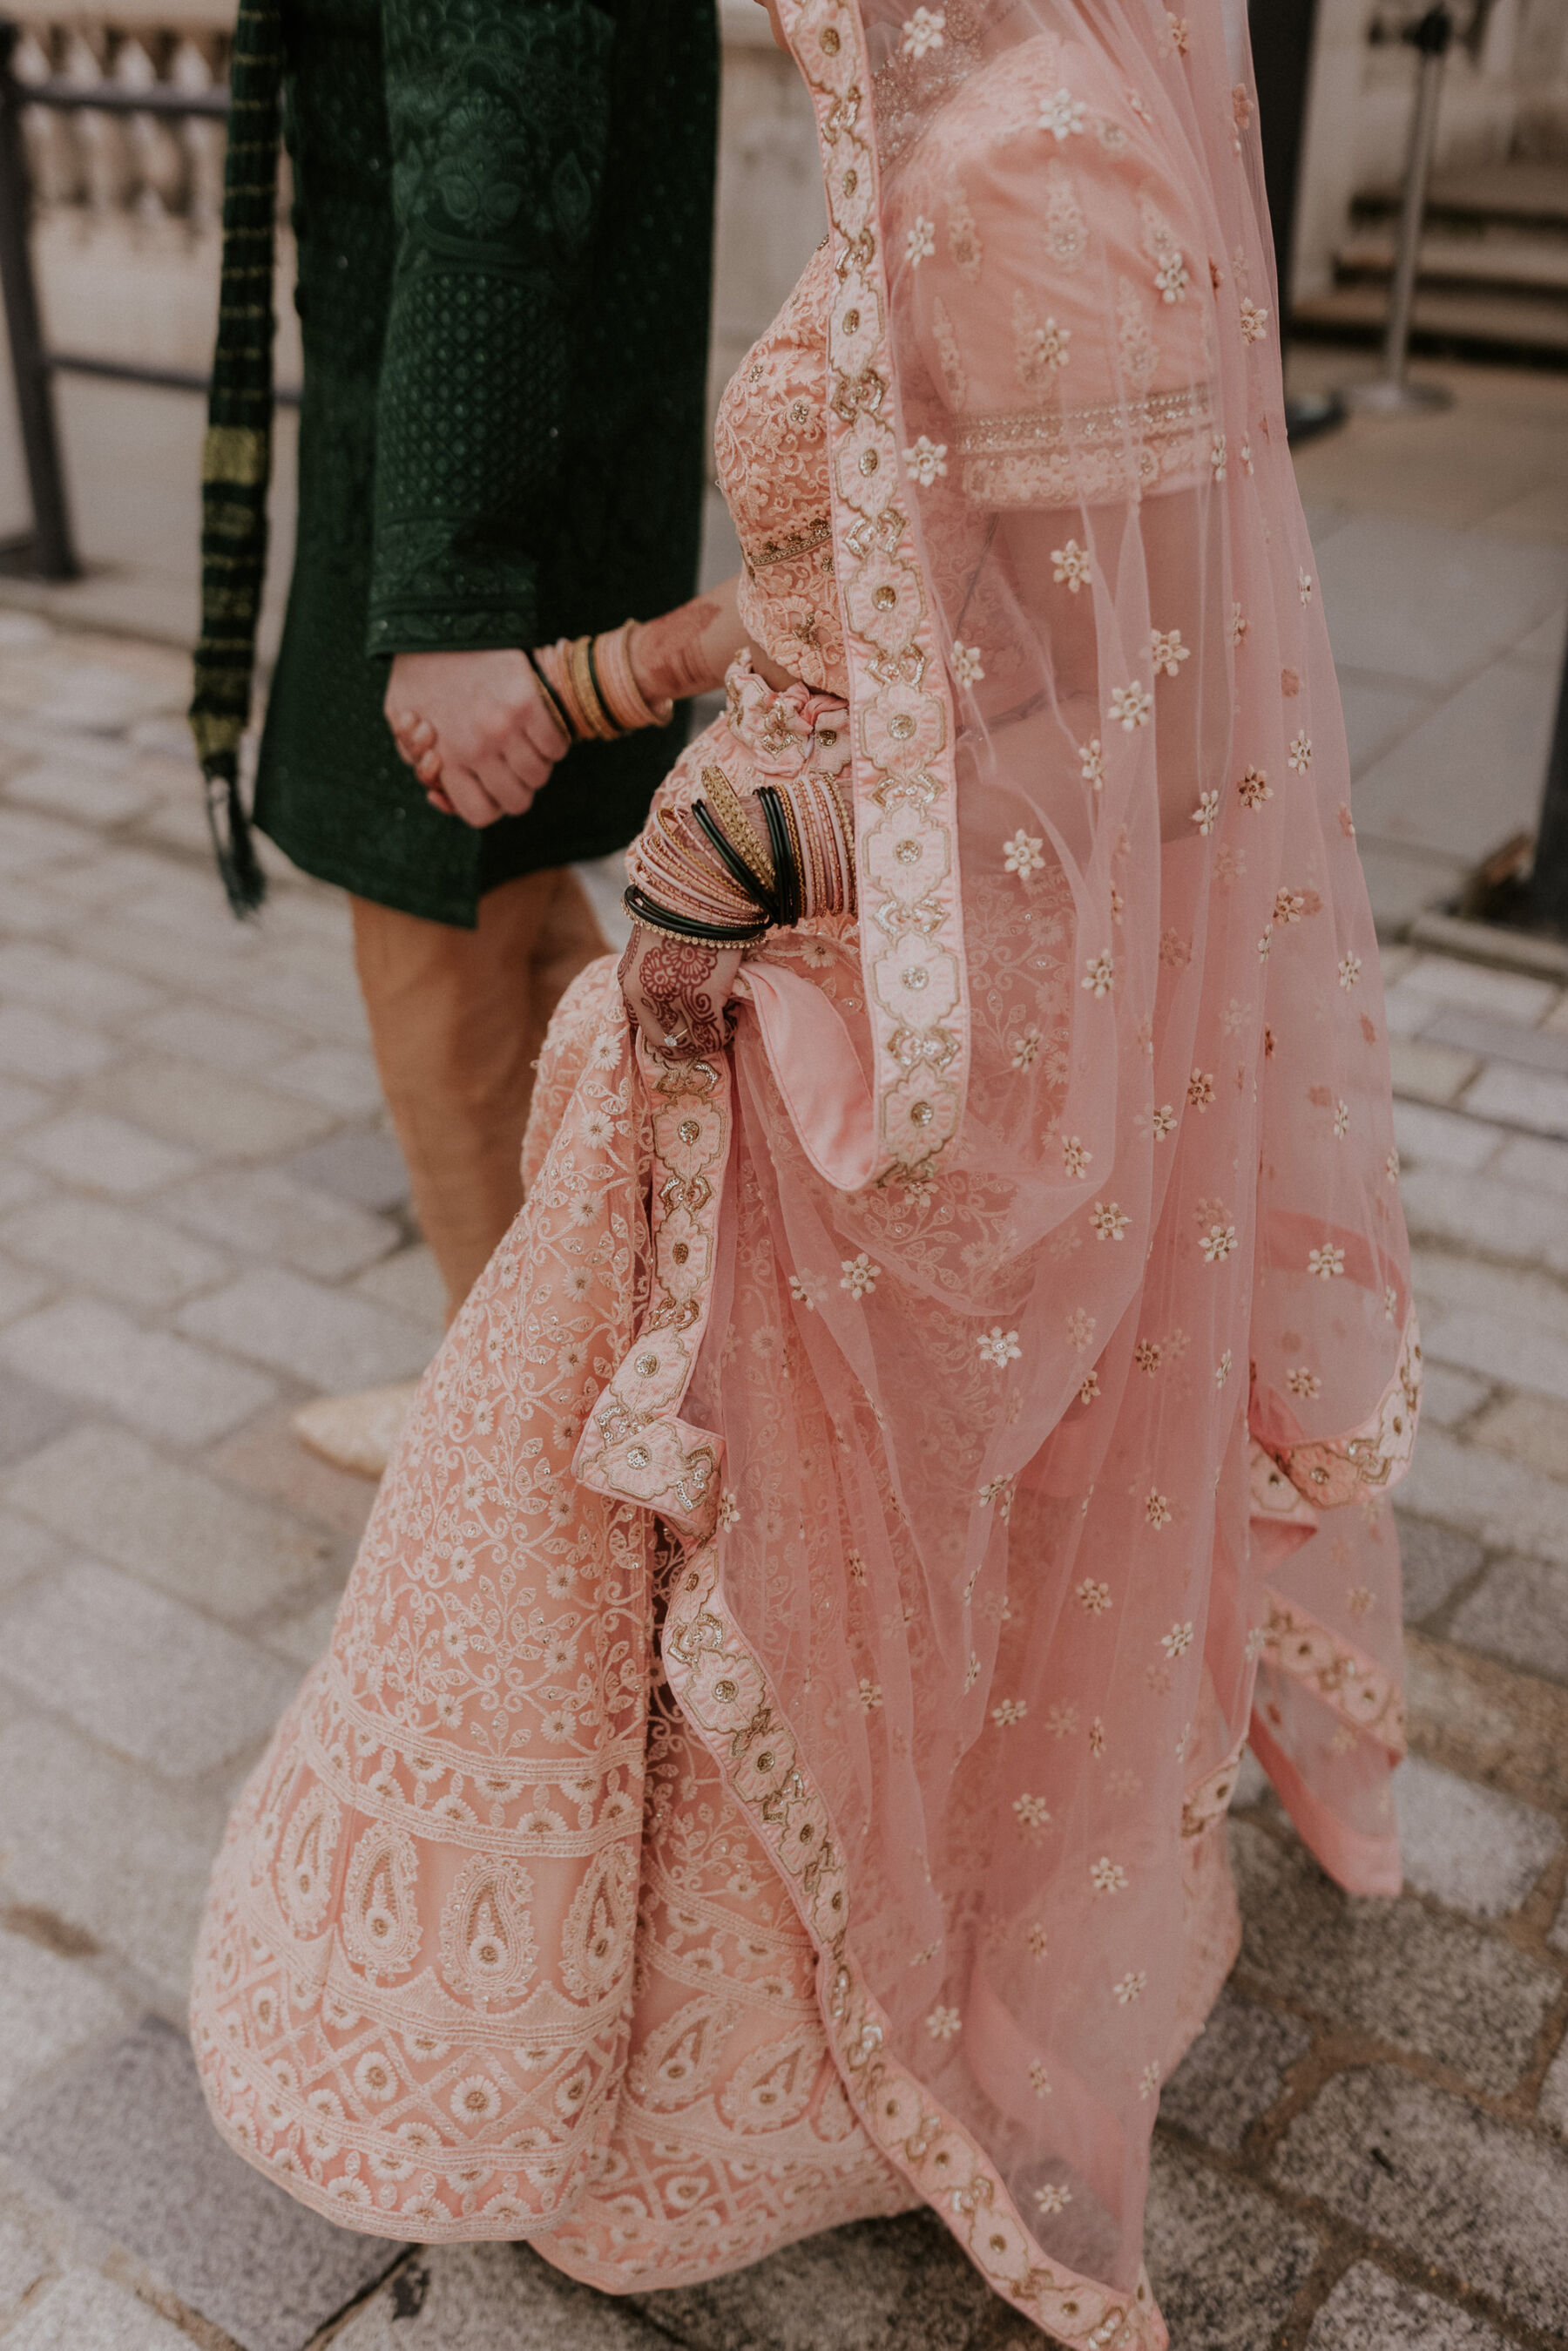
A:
667	653
674	989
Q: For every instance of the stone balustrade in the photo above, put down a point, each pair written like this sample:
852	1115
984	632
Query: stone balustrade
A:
150	170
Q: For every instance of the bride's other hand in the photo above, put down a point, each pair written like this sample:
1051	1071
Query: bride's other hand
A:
687	651
676	992
474	728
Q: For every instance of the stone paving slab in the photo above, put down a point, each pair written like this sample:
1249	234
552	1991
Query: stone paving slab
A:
138	1672
271	1215
20	1105
21	1290
125	2140
1528	1428
107	1849
1520	1612
114	1499
1553	2106
898	2284
1485	2200
160	1383
1370	2311
1488	1721
214	1115
84	2309
1503	1506
1225	2263
104	1154
1444	1204
48	2008
365	1168
23	2262
26	1550
1475	1850
1397	1972
293	1324
1434	1560
490	2298
34	972
125	1255
1233	2072
29	1418
266	1458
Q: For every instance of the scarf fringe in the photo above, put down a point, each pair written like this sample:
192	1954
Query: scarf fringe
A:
236	463
233	842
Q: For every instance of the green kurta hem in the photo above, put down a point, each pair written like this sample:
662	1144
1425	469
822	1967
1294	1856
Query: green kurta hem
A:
503	217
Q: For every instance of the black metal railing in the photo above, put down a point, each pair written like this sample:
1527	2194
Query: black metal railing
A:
50	553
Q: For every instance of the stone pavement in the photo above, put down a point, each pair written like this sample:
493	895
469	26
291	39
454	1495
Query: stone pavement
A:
203	1221
1442	549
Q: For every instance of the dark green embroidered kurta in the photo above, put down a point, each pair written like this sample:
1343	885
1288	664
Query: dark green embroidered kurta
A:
503	213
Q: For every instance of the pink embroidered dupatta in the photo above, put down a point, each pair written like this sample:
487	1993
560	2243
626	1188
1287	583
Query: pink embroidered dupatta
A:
1127	1303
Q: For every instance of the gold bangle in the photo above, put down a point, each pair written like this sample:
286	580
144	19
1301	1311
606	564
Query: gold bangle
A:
579	661
618	688
737	823
557	669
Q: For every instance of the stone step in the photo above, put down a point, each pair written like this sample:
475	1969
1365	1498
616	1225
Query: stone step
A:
1529	196
1473	323
1491	263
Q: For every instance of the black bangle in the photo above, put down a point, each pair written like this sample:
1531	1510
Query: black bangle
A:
734	862
548	696
786	872
643	909
603	704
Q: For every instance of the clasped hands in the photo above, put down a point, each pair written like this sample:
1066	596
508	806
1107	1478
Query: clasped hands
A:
477	733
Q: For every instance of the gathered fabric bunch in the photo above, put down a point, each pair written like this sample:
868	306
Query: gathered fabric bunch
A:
707	873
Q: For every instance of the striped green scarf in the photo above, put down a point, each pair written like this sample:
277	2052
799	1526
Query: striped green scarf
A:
236	456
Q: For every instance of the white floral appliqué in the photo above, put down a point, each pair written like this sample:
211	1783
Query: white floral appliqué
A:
927	460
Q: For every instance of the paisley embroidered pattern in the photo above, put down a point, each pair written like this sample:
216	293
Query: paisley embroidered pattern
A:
462	2052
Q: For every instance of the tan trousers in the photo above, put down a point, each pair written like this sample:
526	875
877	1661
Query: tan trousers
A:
457	1018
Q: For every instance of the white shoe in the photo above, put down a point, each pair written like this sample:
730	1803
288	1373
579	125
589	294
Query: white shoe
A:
355	1432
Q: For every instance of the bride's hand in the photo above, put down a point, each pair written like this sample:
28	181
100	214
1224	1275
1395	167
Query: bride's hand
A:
676	992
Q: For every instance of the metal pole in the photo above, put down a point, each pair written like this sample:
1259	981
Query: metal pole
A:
53	556
1282	33
1547	889
1390	394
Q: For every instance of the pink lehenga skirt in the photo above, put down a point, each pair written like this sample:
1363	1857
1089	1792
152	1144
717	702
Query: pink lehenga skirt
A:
532	1920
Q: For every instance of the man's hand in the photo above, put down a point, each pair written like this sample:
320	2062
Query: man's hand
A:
676	990
475	730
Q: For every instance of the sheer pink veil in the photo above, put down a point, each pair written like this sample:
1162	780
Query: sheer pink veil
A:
1126	1305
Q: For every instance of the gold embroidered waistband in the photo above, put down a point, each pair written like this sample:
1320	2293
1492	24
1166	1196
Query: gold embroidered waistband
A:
1060	456
785	550
1052	429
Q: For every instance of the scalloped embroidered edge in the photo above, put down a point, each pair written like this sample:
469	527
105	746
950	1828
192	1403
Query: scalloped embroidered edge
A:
901	715
1375	1456
723	1691
1351	1684
725	1695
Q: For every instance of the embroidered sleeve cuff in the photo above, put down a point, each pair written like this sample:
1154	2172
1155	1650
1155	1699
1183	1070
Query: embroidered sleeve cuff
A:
448	628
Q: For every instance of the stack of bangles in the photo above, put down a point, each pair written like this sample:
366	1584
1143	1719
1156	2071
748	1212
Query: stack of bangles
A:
707	873
591	689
